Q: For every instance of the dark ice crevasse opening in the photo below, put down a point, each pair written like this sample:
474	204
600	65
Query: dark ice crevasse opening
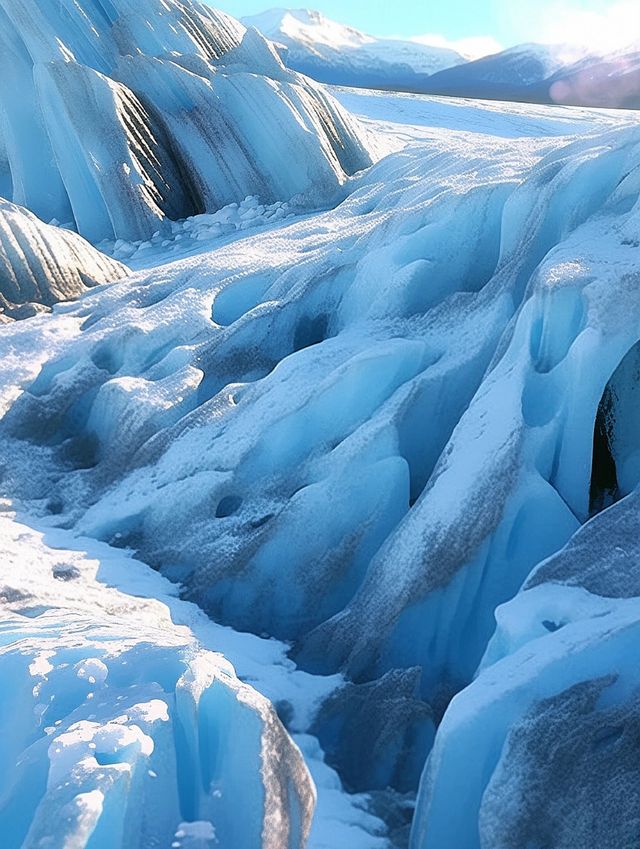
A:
615	465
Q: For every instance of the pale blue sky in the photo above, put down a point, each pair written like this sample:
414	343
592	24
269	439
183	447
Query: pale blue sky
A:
596	22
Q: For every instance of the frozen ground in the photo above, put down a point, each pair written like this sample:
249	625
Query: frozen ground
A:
358	431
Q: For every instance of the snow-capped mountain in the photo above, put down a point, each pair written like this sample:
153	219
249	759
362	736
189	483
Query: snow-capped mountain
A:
612	80
334	53
547	74
537	73
503	75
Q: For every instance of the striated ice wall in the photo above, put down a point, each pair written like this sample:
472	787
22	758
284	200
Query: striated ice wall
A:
41	264
118	116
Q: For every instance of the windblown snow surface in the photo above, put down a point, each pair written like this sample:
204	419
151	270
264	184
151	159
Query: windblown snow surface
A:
339	448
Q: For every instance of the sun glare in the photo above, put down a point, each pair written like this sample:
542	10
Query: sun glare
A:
610	28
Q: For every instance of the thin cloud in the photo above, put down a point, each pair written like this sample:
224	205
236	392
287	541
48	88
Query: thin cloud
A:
470	48
601	31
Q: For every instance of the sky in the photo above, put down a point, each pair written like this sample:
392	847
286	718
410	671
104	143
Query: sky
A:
477	26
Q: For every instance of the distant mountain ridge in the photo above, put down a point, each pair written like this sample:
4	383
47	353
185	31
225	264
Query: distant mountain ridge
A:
546	74
341	55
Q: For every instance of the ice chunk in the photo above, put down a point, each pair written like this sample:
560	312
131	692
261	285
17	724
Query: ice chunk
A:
124	731
43	264
551	718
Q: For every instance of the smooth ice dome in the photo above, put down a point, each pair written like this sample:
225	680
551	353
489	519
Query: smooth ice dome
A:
118	118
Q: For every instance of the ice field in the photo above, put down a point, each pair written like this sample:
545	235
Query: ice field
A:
324	496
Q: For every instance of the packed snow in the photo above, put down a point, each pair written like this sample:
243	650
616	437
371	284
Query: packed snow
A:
325	503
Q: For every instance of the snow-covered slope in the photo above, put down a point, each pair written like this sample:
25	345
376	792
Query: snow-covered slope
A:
334	53
41	264
119	118
534	73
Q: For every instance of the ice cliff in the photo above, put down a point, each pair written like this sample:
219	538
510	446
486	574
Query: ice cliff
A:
117	116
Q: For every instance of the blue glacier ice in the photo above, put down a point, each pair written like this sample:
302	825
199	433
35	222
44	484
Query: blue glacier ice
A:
383	457
41	264
125	731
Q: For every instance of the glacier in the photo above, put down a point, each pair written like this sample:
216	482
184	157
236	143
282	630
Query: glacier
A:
330	502
553	73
